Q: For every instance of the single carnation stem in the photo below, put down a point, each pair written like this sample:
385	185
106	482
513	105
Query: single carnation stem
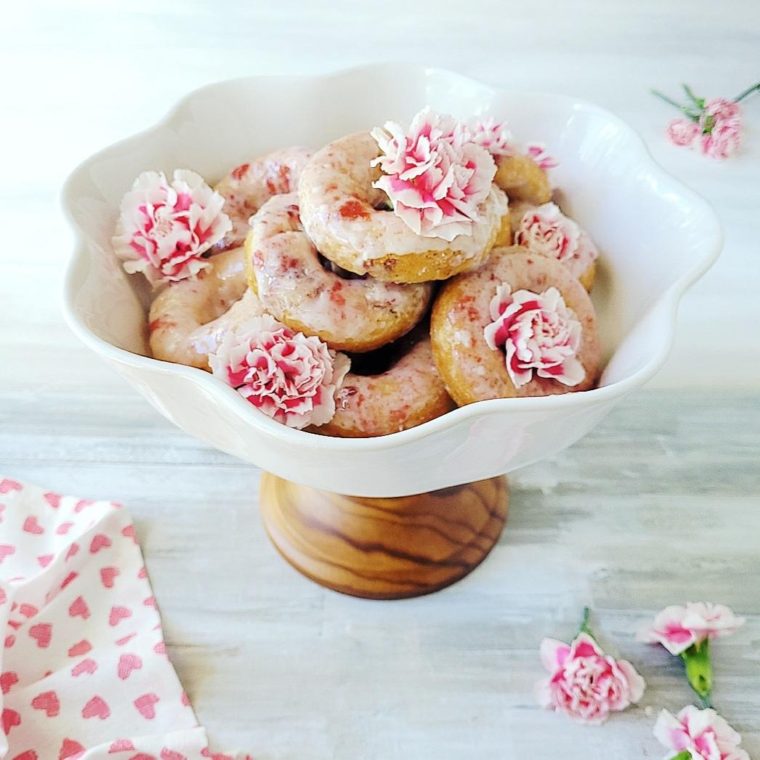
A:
698	102
699	670
664	97
584	622
683	109
685	755
747	92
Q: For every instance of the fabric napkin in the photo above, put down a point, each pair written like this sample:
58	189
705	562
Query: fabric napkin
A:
83	668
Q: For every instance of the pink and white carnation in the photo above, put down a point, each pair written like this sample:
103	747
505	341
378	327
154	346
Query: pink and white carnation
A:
546	230
723	140
680	626
493	135
434	176
682	132
537	151
287	376
721	109
699	735
164	227
586	683
538	333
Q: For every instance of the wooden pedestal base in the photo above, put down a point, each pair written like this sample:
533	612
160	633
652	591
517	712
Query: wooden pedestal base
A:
384	548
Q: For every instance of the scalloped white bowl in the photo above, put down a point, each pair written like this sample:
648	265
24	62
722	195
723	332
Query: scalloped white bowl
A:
656	237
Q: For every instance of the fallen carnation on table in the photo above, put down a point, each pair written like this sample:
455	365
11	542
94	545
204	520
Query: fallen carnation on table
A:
713	126
686	631
696	734
585	682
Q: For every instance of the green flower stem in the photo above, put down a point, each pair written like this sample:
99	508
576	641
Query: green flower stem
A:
698	102
699	670
686	110
685	755
747	92
584	623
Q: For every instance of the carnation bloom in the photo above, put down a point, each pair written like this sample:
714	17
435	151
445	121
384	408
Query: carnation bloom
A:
585	682
537	332
546	230
698	735
493	135
164	227
435	177
682	131
715	125
537	151
679	627
723	140
289	377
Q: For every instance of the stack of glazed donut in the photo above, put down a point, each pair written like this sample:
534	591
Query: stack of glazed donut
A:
433	258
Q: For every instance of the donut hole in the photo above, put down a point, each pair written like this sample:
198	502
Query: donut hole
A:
383	359
344	274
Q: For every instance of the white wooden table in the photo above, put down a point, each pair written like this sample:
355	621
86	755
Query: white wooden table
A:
658	505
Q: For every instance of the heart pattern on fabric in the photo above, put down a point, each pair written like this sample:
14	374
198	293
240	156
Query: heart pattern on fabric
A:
81	659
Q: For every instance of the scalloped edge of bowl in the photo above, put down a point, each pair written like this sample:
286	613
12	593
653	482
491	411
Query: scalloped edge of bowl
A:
666	306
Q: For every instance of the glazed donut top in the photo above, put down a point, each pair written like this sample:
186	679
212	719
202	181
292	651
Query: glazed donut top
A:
338	201
357	314
248	186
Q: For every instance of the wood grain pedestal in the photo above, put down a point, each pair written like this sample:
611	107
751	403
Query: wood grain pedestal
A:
384	548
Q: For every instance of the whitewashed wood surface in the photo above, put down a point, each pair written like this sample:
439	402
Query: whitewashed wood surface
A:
659	505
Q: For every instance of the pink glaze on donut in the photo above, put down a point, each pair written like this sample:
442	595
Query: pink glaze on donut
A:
250	185
358	314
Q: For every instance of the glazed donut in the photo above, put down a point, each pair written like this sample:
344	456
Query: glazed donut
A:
248	186
522	179
470	368
546	230
350	222
182	308
389	390
359	314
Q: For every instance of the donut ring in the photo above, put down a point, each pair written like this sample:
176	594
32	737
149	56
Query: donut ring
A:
581	263
470	369
179	312
351	225
522	179
348	314
248	186
400	396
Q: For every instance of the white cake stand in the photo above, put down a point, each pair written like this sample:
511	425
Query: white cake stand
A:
425	505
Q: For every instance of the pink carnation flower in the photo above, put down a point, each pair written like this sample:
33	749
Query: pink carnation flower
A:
546	230
680	626
164	227
537	151
493	135
721	109
435	178
538	333
682	131
723	140
702	734
289	377
585	682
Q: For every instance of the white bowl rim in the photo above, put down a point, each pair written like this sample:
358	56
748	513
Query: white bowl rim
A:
298	438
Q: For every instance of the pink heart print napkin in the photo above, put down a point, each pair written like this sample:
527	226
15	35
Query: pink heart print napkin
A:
83	667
